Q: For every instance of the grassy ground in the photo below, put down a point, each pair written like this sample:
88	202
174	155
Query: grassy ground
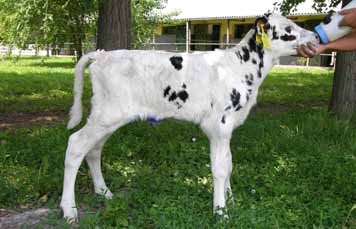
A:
294	165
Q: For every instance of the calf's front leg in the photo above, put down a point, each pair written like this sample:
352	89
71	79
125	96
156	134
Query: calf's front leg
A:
221	167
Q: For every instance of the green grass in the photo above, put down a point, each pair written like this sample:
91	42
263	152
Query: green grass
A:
36	84
292	169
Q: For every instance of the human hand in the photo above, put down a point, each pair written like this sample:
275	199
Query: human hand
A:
309	50
349	18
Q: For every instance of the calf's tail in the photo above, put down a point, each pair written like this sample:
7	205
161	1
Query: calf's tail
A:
76	112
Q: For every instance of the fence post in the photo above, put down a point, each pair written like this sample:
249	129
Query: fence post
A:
187	36
228	33
153	41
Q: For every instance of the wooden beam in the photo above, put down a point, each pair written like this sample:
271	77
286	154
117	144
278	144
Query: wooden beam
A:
228	32
187	36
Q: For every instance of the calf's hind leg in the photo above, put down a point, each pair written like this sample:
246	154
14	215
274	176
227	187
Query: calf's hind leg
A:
93	159
79	145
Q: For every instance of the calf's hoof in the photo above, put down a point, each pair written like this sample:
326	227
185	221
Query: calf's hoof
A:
70	214
221	214
104	192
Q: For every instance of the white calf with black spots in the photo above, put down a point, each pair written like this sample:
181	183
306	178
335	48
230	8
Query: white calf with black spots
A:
215	90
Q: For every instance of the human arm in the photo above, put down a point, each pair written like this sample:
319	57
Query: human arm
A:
346	43
349	18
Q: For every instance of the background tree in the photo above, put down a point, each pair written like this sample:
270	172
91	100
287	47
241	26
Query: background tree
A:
146	15
114	25
122	23
45	22
343	98
129	23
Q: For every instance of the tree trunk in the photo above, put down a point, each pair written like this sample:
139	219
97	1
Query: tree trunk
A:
9	50
78	46
78	35
47	49
343	99
114	25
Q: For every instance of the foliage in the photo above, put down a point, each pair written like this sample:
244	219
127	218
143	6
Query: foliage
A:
146	15
45	22
288	6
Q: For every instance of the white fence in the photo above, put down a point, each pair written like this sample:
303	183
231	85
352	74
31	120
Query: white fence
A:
31	50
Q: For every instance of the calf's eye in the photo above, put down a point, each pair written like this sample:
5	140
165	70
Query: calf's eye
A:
267	26
288	29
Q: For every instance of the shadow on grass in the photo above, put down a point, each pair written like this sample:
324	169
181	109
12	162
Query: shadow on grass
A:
39	61
66	65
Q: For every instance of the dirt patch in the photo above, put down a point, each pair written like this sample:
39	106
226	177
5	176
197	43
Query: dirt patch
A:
273	109
45	118
9	219
20	120
35	218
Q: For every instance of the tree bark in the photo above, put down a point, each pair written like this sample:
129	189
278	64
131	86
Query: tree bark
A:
78	35
114	25
78	46
343	99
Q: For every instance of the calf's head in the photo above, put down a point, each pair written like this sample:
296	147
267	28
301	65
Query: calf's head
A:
283	35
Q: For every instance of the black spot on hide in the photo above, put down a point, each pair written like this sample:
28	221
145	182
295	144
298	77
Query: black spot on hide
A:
249	79
287	37
223	121
183	95
260	66
274	33
228	108
235	99
238	108
254	47
252	44
239	56
179	106
166	91
247	97
254	61
172	97
246	55
177	62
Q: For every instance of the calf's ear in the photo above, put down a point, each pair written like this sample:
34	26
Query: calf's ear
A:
262	25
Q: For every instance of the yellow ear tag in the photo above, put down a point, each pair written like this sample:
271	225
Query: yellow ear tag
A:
259	39
264	37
